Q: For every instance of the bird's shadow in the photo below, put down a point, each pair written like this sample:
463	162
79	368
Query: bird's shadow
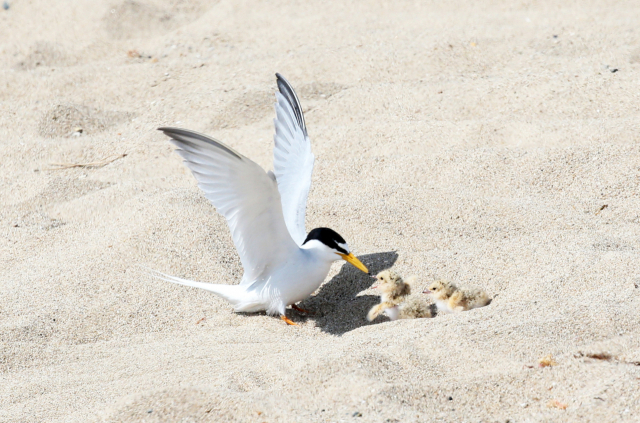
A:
336	308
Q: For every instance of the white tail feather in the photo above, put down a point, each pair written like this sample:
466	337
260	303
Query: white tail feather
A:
235	294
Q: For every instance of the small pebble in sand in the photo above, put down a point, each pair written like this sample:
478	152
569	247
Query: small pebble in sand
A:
547	361
449	298
5	5
557	404
395	299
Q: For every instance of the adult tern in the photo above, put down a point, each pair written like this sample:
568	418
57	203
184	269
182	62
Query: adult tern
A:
265	212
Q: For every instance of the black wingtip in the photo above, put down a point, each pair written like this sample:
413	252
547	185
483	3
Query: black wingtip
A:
187	136
168	130
289	93
281	79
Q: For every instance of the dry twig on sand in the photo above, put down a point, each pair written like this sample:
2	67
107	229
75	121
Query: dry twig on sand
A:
91	165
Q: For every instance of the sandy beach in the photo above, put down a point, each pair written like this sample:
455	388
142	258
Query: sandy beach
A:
492	143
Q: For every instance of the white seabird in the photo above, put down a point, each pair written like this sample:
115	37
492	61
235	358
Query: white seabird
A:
265	213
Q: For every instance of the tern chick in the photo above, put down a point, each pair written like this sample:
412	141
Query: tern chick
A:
449	298
396	301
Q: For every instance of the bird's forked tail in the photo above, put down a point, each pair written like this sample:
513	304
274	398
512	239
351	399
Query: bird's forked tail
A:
235	294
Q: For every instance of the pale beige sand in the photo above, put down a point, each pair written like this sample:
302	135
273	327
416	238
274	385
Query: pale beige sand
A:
477	141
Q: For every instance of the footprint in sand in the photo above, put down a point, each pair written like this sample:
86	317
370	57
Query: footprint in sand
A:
134	19
43	54
251	106
65	120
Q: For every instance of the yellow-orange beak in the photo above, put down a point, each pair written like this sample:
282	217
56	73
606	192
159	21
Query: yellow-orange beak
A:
353	260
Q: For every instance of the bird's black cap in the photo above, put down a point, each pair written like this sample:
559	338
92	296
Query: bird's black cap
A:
328	237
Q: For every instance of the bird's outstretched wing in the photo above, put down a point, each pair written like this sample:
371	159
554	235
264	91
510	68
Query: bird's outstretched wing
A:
244	194
292	159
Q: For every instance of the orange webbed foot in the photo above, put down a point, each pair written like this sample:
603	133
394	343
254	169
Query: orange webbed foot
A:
288	321
300	309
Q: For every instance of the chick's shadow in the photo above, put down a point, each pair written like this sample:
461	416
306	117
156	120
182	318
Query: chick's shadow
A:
336	308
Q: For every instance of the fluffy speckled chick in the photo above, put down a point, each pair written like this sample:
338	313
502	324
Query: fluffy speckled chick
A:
413	307
393	290
449	298
395	299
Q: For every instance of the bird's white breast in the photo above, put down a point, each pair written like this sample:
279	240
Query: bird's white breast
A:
392	313
443	306
295	279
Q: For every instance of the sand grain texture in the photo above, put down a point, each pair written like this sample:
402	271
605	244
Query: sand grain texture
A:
495	144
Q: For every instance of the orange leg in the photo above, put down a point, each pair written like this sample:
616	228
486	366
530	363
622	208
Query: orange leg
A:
288	321
301	310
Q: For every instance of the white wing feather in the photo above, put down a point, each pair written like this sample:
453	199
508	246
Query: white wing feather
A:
244	194
292	159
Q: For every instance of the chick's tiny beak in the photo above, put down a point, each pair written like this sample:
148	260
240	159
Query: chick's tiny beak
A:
353	260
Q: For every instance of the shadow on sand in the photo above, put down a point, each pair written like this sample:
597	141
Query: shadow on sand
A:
336	309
